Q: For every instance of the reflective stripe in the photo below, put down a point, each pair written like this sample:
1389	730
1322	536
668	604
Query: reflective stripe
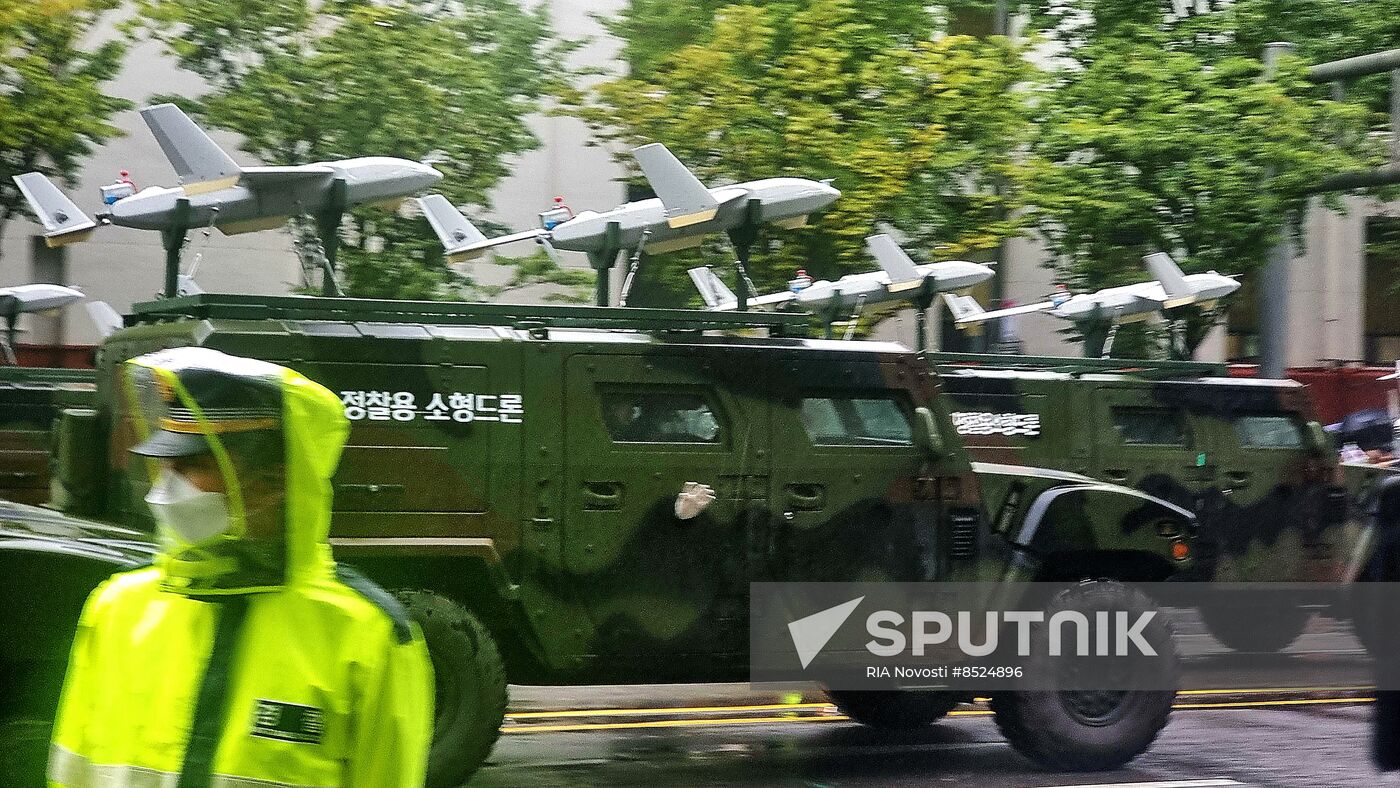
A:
134	777
74	771
69	768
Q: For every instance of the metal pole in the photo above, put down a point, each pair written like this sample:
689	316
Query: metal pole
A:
173	238
603	261
328	227
1272	299
1395	116
743	238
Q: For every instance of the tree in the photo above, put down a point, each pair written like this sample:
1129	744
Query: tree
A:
1156	136
303	81
913	131
52	107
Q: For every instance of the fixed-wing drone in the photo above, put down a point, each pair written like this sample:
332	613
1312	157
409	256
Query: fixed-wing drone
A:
893	287
24	299
215	191
1113	305
683	212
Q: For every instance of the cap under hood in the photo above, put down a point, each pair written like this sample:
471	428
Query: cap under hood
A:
250	414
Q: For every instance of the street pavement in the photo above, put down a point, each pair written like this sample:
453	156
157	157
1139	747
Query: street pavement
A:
1303	742
1300	718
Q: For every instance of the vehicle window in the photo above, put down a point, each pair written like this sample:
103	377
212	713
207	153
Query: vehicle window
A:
1149	426
651	417
1268	432
852	421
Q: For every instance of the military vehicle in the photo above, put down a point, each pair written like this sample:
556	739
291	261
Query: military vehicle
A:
30	401
50	562
1246	456
512	475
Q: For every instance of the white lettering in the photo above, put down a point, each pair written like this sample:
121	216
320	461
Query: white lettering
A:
881	624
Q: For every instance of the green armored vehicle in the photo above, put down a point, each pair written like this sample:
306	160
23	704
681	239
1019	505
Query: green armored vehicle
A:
512	475
1246	456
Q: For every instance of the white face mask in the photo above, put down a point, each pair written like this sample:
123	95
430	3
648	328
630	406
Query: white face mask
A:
193	515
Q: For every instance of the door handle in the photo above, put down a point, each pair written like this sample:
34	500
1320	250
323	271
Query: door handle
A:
1116	474
805	497
372	489
1239	479
602	496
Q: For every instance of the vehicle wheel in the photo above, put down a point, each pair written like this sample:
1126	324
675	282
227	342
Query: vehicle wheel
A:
1243	630
469	699
894	709
1089	730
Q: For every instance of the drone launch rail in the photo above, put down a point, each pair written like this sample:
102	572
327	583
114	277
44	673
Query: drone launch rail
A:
524	316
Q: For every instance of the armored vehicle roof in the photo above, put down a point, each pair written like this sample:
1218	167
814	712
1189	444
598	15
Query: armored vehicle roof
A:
1115	377
462	321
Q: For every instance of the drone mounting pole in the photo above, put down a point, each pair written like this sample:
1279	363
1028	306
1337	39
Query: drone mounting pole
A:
9	307
743	238
604	259
328	228
173	238
634	265
922	302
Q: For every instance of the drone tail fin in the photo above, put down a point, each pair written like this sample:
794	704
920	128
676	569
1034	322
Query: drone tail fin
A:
63	222
713	291
1168	273
199	162
964	308
453	229
103	316
685	198
904	275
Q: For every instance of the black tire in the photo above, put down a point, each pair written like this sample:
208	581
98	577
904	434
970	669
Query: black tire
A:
894	709
1269	630
1089	730
470	687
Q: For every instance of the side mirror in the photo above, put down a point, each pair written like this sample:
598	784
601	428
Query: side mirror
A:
926	435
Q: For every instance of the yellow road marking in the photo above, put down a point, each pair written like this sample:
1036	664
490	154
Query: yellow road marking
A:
665	710
613	726
681	710
707	723
1251	704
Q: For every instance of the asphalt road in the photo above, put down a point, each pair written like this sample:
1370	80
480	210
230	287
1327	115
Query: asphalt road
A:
1307	744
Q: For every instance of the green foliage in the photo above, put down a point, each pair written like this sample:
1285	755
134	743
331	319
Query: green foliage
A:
450	83
575	284
1159	134
913	131
52	107
652	30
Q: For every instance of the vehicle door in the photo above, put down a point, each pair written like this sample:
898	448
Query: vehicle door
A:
637	430
847	494
433	451
1150	444
1275	501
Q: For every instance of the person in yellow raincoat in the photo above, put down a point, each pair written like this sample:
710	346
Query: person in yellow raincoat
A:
244	658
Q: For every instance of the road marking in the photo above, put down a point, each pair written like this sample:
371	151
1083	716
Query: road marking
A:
1212	783
825	706
1251	704
706	723
1274	690
617	726
524	715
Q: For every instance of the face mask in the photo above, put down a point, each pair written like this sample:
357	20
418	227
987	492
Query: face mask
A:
193	515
